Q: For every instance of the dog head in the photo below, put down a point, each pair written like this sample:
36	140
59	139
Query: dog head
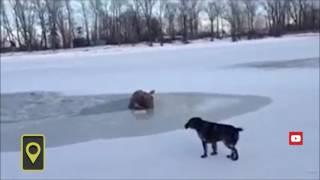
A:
193	123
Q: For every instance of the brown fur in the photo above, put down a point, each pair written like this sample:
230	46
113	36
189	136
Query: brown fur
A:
141	100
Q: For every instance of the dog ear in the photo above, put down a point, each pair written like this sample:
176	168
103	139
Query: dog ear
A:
186	126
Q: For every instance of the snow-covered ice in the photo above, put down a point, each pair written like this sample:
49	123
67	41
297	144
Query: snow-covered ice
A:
204	68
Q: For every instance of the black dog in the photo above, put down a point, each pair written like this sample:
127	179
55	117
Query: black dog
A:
210	132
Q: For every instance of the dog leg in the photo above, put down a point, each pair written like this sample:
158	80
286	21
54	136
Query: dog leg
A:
214	148
204	145
234	153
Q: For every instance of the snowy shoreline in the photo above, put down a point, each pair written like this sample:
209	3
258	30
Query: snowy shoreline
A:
143	47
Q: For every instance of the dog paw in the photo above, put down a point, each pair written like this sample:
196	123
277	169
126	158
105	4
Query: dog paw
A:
203	156
214	153
234	158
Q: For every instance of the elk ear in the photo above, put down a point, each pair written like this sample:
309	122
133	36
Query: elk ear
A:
152	92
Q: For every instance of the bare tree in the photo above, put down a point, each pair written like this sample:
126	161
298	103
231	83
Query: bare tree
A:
6	29
52	7
85	19
137	21
96	6
128	26
297	11
61	22
147	9
116	8
170	14
162	6
25	19
250	11
212	14
123	23
195	6
312	15
277	12
42	16
17	26
183	8
294	12
303	4
104	27
315	15
233	16
219	8
70	22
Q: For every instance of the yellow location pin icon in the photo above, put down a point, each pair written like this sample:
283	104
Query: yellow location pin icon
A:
33	156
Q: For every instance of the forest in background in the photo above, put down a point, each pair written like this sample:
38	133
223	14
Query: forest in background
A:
28	25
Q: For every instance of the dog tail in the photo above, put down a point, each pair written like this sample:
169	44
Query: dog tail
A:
239	129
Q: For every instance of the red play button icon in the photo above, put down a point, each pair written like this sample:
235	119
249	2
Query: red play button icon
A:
295	138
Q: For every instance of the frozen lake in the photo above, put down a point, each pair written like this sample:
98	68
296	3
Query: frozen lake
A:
78	99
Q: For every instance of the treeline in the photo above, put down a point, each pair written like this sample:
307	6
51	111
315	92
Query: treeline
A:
52	24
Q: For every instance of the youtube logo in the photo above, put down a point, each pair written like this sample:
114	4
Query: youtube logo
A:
295	138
